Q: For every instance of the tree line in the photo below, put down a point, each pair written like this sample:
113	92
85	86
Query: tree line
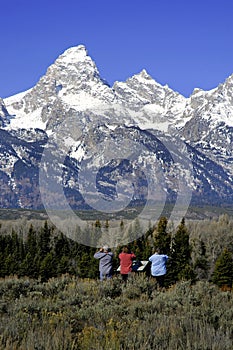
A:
43	252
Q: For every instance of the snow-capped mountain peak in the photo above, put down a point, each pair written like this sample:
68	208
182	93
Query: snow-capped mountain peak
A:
72	95
72	81
73	65
74	54
144	76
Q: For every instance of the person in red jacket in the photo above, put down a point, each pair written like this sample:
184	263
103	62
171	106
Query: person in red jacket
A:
126	258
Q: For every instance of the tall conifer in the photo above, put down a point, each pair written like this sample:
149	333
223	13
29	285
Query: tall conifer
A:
180	265
223	272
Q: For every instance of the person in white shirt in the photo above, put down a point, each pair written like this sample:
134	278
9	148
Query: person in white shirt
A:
158	267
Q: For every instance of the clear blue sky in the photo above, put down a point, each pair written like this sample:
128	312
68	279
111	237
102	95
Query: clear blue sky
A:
182	43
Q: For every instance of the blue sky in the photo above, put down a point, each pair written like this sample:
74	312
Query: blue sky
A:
184	44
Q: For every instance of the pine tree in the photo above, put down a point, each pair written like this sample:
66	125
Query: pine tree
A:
179	265
31	242
15	254
61	246
47	267
223	271
142	247
30	266
162	238
63	254
44	241
4	244
63	265
201	264
147	248
87	265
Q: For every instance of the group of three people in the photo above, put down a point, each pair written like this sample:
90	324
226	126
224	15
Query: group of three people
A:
126	257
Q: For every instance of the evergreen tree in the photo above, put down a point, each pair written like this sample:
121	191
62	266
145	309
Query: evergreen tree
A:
31	242
64	252
11	266
61	246
162	238
142	247
201	264
30	266
63	265
83	264
47	267
5	251
44	241
147	248
136	248
179	265
87	265
14	254
223	271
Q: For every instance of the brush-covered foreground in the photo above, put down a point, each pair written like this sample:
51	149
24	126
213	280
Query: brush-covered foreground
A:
70	313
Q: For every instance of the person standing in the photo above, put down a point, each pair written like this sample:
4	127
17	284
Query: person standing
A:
126	259
105	257
158	267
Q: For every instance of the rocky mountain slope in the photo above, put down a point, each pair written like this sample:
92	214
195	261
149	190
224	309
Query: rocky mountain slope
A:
154	142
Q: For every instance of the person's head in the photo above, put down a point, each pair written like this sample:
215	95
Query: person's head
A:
125	249
158	251
105	248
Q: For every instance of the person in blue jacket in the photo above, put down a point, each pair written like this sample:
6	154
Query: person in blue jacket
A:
158	267
105	257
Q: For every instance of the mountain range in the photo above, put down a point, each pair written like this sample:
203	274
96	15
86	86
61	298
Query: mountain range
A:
75	138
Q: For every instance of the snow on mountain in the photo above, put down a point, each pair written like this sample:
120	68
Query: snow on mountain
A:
210	123
152	105
73	82
72	96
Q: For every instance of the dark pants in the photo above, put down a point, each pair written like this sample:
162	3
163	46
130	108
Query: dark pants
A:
160	280
124	277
